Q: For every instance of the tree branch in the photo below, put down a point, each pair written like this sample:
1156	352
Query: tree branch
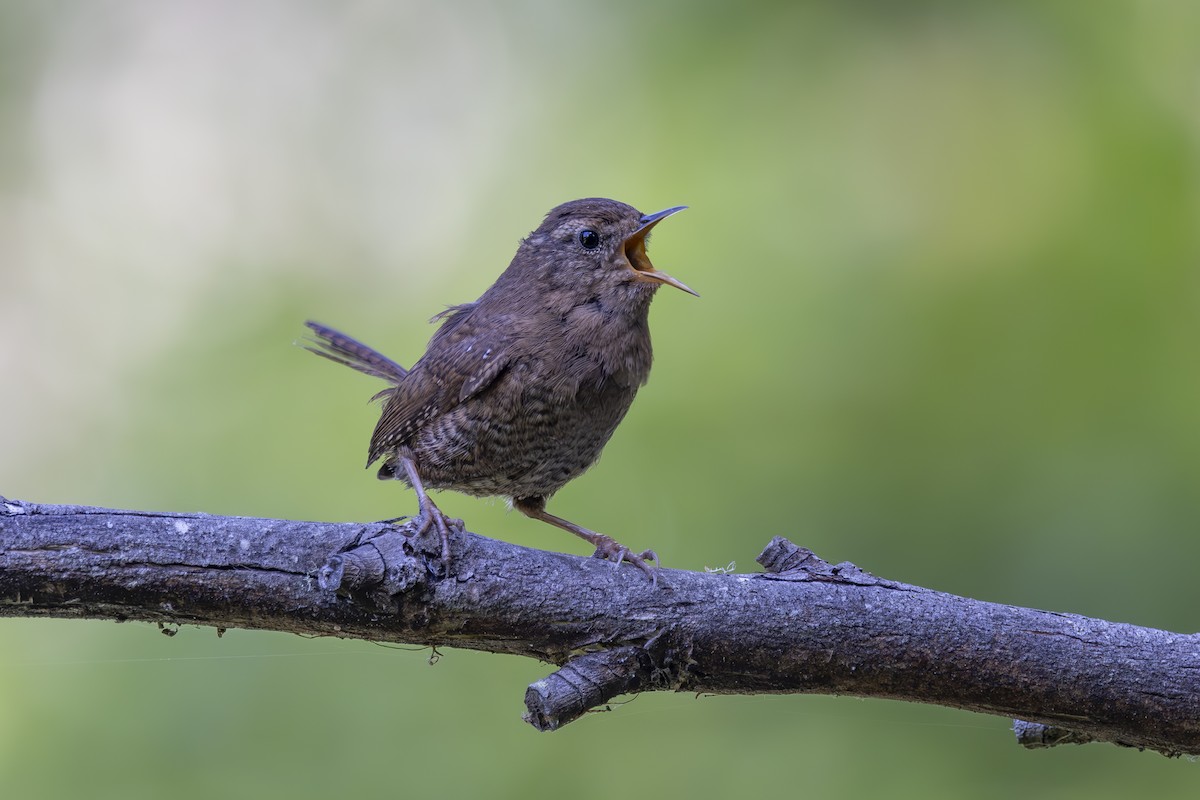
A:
802	626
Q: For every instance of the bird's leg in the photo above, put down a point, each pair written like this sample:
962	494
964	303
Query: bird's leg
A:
606	546
429	514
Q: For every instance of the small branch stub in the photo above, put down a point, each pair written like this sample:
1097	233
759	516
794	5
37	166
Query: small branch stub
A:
584	683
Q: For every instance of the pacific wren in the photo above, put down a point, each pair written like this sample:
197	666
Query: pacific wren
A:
518	392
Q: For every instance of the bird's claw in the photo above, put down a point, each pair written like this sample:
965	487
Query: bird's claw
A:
432	517
610	549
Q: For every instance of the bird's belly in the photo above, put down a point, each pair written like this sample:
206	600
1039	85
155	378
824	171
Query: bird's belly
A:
529	448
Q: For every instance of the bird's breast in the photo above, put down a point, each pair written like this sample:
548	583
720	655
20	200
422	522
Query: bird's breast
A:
604	343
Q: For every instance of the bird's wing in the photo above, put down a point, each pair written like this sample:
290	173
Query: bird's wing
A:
459	363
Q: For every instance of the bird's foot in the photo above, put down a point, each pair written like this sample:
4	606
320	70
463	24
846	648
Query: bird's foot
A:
607	547
610	549
431	517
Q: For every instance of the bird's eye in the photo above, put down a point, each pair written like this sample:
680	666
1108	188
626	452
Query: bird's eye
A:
589	239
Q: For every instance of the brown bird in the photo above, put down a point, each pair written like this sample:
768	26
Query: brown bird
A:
519	391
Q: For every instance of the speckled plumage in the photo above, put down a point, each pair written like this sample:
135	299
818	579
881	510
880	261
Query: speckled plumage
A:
518	392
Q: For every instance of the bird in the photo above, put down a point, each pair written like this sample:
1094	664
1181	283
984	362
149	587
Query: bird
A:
518	392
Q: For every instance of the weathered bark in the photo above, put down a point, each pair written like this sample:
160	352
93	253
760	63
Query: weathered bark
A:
802	626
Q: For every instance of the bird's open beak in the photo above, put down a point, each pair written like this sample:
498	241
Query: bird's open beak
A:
635	251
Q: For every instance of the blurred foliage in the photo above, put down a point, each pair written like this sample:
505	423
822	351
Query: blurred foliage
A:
951	304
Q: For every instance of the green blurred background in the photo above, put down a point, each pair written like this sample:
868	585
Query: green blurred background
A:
948	255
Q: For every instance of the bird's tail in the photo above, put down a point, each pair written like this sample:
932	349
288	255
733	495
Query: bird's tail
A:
341	349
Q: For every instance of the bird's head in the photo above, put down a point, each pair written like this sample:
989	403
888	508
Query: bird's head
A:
594	247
